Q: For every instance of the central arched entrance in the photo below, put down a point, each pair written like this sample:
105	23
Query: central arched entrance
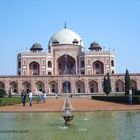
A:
66	65
66	87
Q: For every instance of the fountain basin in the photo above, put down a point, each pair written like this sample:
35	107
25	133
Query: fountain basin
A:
99	125
68	116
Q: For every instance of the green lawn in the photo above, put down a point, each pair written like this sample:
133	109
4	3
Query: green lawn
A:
13	100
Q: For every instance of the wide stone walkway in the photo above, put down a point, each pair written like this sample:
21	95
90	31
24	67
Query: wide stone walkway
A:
78	104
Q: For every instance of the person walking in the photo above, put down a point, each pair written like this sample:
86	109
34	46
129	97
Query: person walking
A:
23	96
40	96
56	95
44	96
30	97
130	97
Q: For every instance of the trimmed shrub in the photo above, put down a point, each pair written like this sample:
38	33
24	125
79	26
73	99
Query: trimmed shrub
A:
2	93
117	99
127	82
137	92
107	84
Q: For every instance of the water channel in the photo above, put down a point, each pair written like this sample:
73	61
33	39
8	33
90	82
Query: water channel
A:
102	125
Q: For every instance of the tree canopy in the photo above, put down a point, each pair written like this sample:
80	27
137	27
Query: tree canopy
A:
127	82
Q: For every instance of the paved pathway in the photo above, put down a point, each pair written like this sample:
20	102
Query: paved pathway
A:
78	104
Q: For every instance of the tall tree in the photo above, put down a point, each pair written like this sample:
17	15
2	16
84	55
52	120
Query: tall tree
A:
107	84
127	82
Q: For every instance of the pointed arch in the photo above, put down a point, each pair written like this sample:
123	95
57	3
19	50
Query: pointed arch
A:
53	87
80	87
98	67
112	63
14	87
40	86
66	65
49	64
82	63
133	84
93	86
49	73
26	86
2	85
66	87
34	68
119	86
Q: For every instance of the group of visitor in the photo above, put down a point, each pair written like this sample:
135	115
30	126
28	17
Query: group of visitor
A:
23	97
42	96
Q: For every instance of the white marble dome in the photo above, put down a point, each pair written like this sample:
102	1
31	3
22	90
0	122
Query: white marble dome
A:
66	36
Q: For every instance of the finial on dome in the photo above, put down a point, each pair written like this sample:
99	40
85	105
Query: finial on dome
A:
65	25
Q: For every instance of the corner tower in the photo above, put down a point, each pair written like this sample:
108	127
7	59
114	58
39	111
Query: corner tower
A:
32	62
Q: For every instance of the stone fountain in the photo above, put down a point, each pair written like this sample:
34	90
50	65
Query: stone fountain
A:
67	115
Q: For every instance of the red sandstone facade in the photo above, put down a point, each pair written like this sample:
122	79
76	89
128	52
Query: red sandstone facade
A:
66	67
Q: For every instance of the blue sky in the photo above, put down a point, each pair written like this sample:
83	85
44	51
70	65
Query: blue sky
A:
114	24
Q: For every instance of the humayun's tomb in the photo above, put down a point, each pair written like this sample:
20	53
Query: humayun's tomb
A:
66	64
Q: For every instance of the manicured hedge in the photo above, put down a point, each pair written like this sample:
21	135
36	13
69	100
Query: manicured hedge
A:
2	93
117	99
137	92
13	100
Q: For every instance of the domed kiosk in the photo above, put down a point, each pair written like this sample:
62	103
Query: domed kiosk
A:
36	47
